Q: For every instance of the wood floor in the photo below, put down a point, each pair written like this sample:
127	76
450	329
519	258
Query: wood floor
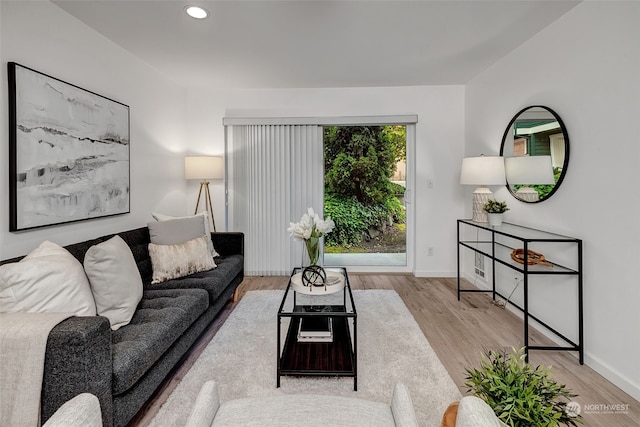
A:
458	331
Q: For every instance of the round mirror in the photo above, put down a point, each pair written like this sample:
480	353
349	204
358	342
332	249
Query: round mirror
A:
535	146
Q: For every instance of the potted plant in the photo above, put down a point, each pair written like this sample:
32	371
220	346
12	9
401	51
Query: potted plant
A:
495	209
519	394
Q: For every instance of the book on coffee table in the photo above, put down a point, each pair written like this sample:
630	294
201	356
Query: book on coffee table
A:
315	329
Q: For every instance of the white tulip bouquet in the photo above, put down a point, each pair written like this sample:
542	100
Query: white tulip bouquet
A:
310	229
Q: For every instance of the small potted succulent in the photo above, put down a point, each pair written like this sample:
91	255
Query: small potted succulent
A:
495	209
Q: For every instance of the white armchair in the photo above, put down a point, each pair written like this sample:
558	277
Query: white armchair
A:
297	409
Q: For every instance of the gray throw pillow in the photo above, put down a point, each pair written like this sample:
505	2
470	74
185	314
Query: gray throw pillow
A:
176	231
202	215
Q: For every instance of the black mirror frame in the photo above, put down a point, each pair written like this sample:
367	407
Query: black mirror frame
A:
565	164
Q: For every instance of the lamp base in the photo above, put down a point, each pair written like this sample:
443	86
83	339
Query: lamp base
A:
528	194
480	196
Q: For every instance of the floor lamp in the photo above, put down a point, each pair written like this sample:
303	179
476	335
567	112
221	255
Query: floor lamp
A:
204	168
482	171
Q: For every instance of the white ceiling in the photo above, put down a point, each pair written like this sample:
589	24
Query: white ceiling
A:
280	44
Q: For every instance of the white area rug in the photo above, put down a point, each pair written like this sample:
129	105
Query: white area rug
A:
391	348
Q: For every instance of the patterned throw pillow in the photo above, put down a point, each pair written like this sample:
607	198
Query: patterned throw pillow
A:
173	261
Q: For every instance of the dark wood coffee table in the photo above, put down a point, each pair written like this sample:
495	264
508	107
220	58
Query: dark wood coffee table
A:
337	357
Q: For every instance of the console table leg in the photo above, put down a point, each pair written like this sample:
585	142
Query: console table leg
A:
278	355
526	304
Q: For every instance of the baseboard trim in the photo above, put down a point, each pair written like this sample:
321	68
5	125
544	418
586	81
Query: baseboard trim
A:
612	375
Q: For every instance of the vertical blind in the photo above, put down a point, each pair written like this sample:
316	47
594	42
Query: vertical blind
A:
275	172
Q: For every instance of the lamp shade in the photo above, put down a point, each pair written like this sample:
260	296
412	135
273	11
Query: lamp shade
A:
529	170
483	170
203	167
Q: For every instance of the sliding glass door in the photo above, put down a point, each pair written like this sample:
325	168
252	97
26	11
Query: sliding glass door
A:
360	175
364	193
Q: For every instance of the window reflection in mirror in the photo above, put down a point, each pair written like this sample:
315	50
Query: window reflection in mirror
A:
536	150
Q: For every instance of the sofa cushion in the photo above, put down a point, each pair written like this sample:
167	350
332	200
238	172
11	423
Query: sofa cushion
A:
307	410
213	281
49	279
162	316
115	280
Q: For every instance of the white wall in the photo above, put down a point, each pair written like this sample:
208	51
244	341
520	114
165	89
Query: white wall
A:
41	36
439	144
586	67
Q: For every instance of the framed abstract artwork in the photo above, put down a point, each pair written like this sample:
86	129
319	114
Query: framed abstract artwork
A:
68	152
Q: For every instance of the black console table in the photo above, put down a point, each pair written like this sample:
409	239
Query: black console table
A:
497	243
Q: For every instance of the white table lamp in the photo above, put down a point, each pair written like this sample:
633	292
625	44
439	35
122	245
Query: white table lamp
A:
528	170
204	168
482	171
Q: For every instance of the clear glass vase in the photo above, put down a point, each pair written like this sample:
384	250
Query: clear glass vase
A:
313	249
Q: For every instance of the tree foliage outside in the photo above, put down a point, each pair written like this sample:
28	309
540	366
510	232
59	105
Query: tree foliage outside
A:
359	163
397	134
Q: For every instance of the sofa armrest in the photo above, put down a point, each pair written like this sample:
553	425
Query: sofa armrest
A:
206	406
78	360
228	243
474	412
402	407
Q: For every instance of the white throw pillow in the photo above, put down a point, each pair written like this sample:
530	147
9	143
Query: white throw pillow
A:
173	261
205	218
115	280
48	280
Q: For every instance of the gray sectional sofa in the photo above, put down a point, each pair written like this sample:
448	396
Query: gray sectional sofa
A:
124	367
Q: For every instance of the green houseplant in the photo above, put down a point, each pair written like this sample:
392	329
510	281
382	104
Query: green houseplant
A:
520	394
495	206
494	210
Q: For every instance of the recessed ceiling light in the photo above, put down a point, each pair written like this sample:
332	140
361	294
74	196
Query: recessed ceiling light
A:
196	12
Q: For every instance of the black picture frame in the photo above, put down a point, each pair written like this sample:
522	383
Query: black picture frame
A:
69	153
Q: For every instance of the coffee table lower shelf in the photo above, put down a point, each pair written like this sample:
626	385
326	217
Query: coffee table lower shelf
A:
334	358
